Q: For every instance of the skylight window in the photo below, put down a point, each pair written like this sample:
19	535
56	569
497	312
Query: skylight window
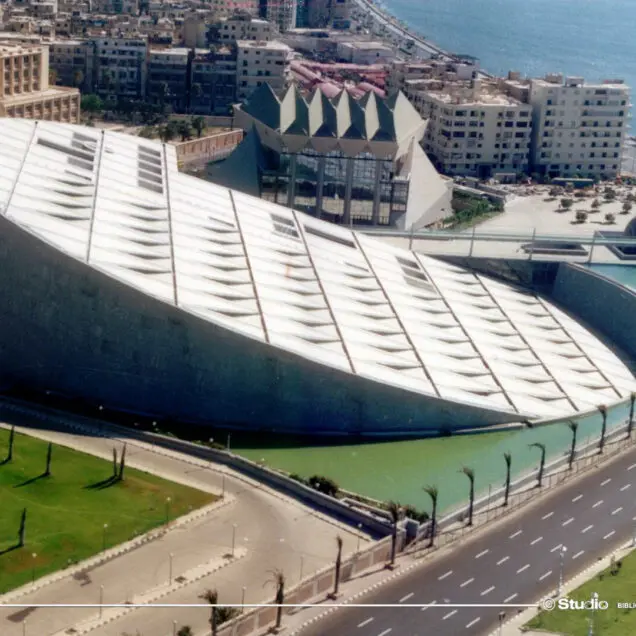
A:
329	237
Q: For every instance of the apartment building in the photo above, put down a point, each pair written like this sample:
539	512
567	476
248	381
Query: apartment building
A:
213	89
282	13
328	13
260	62
72	61
168	78
245	27
228	7
120	66
578	128
25	90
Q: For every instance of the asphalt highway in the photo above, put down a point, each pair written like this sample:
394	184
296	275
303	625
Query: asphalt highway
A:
517	562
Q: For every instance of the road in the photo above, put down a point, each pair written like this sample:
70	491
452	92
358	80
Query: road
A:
517	562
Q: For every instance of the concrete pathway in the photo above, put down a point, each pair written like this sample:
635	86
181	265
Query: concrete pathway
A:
273	531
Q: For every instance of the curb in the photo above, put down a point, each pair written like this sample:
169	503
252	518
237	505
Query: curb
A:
152	596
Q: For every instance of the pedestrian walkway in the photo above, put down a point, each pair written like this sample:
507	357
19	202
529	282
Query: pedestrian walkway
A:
272	531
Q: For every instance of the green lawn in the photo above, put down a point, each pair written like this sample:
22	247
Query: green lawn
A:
610	622
66	511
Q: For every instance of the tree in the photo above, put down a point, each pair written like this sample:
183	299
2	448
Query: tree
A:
186	630
610	218
574	427
627	206
602	409
338	566
542	448
212	597
566	204
22	529
49	453
470	473
279	599
630	422
168	132
581	216
433	493
395	513
198	123
508	460
10	449
122	464
596	204
92	104
184	129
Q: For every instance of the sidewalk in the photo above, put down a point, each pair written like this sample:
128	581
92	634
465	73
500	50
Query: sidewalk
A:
271	530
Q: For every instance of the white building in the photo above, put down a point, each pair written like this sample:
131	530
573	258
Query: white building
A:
362	52
245	27
578	128
259	62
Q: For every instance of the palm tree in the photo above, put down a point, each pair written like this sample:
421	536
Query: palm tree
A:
278	579
184	129
508	460
433	493
212	597
395	512
602	409
186	630
541	447
198	123
574	427
470	473
630	423
338	566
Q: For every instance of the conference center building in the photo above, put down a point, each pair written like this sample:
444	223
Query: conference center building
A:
129	284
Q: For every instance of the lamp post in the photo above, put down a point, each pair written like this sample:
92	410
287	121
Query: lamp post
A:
104	537
302	563
562	553
34	556
243	599
359	532
170	568
101	600
233	538
168	500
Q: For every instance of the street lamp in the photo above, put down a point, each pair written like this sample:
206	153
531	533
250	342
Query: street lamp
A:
359	534
170	568
35	556
502	616
243	600
168	500
104	537
562	553
233	538
101	600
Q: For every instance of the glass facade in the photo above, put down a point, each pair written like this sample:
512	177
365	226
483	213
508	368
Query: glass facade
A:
358	190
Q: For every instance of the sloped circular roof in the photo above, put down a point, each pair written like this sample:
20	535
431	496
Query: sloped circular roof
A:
334	296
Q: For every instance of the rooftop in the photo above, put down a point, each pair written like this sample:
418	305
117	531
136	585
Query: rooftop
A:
325	293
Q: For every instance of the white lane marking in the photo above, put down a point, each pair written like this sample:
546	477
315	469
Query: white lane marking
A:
467	582
536	541
385	632
632	466
444	576
609	534
525	567
598	503
449	615
607	481
545	576
510	598
363	623
481	554
502	560
473	622
429	605
577	498
587	528
515	534
570	520
615	512
547	516
488	591
625	487
407	597
578	554
556	547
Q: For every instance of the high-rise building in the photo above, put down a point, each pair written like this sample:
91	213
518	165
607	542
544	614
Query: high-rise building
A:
323	13
282	13
578	128
120	66
259	63
25	90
